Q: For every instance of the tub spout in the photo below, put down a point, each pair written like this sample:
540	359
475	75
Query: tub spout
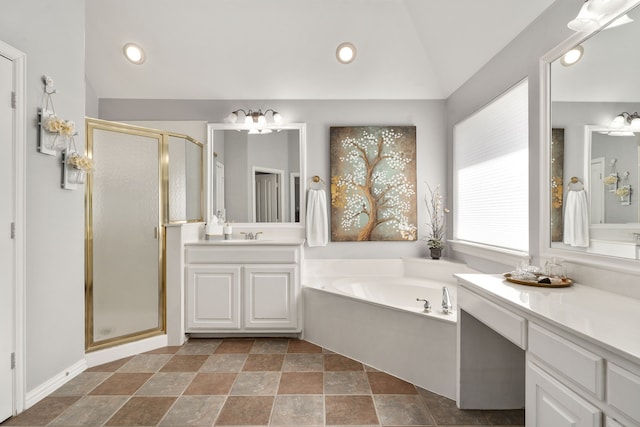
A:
447	307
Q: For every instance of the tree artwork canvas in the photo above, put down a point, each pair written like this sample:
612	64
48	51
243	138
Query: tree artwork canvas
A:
373	183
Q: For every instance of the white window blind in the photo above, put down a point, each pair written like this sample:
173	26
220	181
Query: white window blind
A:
491	171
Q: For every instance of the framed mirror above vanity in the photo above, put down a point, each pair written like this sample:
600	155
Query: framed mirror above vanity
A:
257	178
586	148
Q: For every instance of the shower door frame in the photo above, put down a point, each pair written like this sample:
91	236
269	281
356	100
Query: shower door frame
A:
163	215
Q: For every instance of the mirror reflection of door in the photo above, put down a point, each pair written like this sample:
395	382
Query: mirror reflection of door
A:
597	190
294	197
268	195
219	189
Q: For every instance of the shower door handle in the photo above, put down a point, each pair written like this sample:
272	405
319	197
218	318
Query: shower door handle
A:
155	233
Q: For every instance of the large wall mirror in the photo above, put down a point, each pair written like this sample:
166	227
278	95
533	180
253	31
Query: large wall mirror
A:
585	151
257	178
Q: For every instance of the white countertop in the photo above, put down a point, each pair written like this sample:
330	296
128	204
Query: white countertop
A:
245	242
605	318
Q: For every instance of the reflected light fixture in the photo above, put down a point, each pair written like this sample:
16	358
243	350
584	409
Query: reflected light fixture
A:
625	124
346	53
594	13
573	56
257	120
134	53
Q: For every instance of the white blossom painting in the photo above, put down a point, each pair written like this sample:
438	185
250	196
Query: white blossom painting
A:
373	183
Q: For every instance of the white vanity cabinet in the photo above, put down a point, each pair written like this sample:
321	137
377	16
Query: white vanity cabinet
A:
213	297
244	288
582	359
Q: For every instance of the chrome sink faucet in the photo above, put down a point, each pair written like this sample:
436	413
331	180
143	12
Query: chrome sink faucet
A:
447	306
251	235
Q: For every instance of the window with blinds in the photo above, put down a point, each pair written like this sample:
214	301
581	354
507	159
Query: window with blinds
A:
491	173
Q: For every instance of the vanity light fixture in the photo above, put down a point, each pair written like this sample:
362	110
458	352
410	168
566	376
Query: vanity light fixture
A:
134	53
624	124
256	119
346	53
573	56
593	14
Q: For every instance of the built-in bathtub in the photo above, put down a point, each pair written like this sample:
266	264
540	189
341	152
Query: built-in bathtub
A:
367	310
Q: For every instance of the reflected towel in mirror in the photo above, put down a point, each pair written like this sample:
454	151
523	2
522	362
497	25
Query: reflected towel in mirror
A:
317	224
576	216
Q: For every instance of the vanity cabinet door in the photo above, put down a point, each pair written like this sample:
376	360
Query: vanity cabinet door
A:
549	403
213	298
270	297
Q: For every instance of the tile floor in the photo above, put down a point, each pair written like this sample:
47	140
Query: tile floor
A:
247	382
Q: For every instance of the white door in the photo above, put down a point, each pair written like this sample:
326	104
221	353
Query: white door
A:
267	197
220	188
7	253
596	191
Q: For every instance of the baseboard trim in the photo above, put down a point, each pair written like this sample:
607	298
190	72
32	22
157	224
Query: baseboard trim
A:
110	354
51	385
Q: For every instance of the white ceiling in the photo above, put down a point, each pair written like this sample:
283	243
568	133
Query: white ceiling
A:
285	49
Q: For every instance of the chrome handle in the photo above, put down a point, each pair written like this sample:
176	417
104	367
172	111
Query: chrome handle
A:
427	305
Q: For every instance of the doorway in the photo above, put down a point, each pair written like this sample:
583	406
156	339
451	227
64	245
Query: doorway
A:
596	191
268	195
12	221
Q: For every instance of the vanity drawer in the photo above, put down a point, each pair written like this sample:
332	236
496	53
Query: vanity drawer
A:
568	359
623	390
264	254
501	320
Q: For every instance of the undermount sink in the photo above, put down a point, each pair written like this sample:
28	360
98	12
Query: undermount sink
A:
241	242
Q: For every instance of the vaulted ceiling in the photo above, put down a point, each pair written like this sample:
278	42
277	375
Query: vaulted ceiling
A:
285	49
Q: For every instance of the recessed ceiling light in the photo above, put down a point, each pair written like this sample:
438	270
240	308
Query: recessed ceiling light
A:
346	53
573	56
134	53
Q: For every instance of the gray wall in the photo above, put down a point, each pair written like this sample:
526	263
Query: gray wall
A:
319	115
52	36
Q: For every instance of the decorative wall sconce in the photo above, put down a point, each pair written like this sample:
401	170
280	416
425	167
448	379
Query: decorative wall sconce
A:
624	191
256	120
611	180
75	167
55	133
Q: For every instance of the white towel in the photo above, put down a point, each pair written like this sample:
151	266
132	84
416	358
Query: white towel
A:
576	219
317	228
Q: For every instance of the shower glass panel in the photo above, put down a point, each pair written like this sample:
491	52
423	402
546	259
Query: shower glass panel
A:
185	178
125	283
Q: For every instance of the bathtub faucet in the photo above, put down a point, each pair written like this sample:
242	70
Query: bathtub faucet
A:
447	307
427	305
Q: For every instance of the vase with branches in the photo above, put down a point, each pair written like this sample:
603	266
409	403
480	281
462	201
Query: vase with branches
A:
437	225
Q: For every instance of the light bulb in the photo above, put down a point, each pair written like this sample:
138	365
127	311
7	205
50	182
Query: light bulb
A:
277	117
618	121
134	53
262	119
585	21
346	53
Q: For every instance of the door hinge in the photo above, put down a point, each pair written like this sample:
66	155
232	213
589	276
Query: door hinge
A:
13	100
13	360
13	230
